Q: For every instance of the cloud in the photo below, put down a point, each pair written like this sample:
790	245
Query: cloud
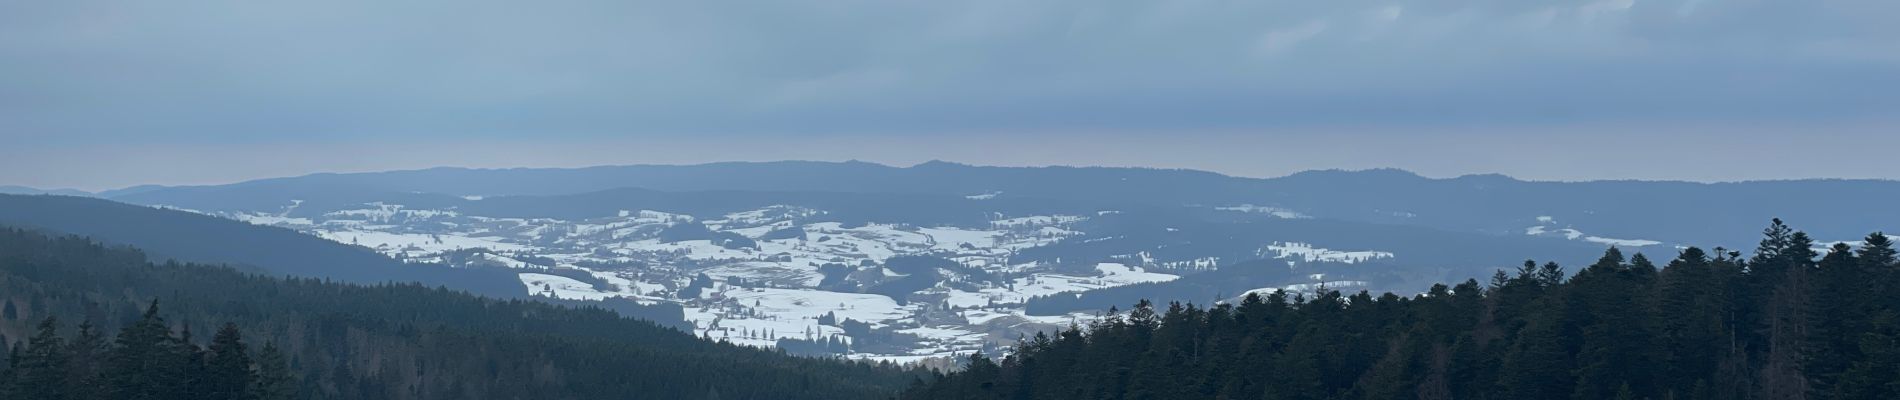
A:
221	71
1280	40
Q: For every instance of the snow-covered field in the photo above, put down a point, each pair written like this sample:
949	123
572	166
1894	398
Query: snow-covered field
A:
1276	212
1545	228
772	283
1302	252
760	292
1043	284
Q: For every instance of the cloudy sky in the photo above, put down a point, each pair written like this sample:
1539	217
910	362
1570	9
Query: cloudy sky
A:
99	94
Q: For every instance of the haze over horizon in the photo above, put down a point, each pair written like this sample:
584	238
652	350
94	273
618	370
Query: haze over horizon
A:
246	178
107	94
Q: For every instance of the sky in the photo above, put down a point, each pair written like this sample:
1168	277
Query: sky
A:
105	94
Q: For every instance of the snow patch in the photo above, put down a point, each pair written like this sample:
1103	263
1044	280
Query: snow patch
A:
1305	252
1574	234
561	287
1276	212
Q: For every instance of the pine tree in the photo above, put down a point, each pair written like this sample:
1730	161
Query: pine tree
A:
228	370
1690	319
1296	373
1537	366
1550	274
1840	301
1499	279
192	359
43	368
273	378
1613	347
10	375
88	349
1776	241
1876	374
1876	255
980	377
1471	372
1876	251
1786	316
145	363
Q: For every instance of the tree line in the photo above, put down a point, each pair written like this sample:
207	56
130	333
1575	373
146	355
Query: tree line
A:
147	360
387	341
1786	322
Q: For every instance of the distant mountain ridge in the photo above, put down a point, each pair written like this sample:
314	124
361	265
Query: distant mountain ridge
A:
14	189
1670	211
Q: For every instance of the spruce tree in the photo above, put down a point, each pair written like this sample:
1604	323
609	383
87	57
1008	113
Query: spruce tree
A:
1876	255
1876	251
1840	302
88	349
1538	365
1613	347
273	379
1786	319
1550	274
1876	374
228	368
1776	240
145	363
9	373
43	368
193	361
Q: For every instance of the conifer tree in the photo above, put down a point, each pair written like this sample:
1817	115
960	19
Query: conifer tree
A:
1876	374
273	379
88	349
9	374
145	362
1712	325
1839	304
1876	251
1550	274
42	373
358	341
1537	366
228	368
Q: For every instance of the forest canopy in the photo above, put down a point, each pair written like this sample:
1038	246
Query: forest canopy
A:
58	295
1787	322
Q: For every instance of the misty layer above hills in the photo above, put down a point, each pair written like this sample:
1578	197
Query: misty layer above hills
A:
1676	212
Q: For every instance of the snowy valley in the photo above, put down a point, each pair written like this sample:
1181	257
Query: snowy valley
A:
779	276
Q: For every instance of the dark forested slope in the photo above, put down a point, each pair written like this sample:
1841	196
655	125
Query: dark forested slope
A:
1788	322
185	236
396	341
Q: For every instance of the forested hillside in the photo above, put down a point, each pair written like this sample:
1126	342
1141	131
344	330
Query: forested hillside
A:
364	342
146	360
1788	322
185	236
165	234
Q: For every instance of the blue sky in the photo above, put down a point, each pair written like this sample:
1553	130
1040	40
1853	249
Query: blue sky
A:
97	94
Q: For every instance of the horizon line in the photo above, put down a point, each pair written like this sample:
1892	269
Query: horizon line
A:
49	190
